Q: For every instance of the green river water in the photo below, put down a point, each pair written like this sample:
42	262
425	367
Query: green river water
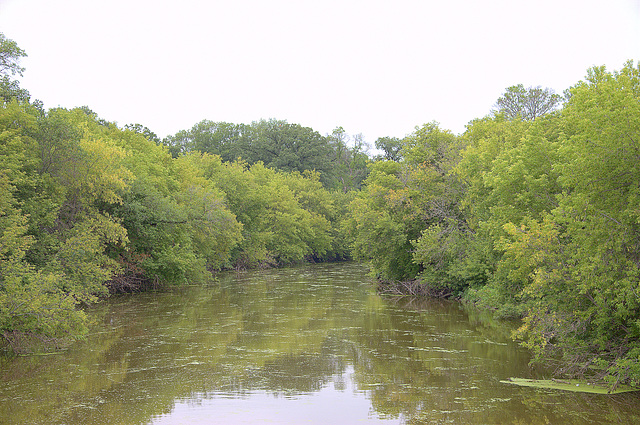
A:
312	344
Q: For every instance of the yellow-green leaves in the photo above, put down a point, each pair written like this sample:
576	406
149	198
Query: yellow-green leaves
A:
560	203
285	217
404	205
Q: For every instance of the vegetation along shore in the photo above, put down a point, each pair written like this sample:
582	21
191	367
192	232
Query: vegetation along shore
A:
533	212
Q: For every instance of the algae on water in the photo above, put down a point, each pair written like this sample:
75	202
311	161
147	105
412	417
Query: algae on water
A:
574	385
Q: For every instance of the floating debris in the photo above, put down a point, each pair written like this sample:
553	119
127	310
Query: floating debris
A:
574	385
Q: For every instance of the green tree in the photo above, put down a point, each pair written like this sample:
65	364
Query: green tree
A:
442	248
519	185
86	174
177	222
382	234
276	143
10	55
35	310
485	140
349	163
557	200
402	201
320	203
528	104
390	147
270	205
289	147
37	300
141	129
592	271
230	141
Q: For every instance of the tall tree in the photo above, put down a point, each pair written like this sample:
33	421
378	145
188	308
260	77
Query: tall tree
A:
289	147
402	201
141	129
390	147
10	55
582	261
528	103
228	140
349	160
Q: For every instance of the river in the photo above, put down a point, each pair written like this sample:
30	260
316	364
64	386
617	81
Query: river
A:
313	344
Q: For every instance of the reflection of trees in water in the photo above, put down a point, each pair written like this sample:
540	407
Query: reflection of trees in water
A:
303	373
290	332
434	361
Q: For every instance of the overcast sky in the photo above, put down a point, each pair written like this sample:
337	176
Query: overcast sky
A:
374	67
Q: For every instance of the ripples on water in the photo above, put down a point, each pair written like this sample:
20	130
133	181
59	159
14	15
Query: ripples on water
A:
307	345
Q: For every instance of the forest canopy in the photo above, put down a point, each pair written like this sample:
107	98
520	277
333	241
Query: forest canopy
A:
533	212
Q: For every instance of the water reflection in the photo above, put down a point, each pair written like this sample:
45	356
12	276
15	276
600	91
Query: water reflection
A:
312	344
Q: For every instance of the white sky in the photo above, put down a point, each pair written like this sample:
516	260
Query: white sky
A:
374	67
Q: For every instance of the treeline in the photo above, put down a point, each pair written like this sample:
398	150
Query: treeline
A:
340	160
533	212
87	207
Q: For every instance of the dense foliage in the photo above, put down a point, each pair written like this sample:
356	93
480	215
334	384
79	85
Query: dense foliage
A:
535	216
340	162
87	208
532	212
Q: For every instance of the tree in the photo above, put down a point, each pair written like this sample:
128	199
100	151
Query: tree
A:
527	104
10	55
557	199
407	220
349	163
590	283
177	222
141	129
230	141
382	223
512	182
432	146
38	296
276	143
391	147
289	147
285	217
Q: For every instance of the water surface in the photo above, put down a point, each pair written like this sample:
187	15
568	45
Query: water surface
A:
306	345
